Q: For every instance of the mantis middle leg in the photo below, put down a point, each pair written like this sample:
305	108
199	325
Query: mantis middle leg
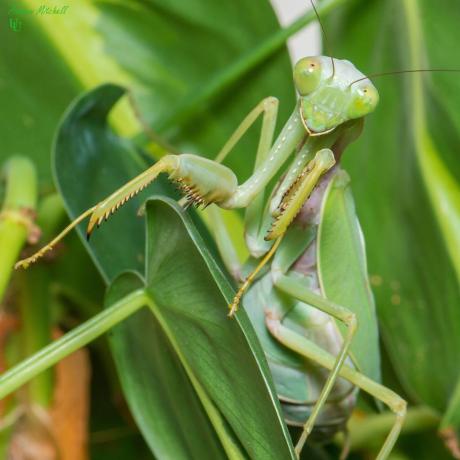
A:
269	108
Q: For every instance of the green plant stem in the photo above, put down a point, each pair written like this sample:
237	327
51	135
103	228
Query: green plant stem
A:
70	342
34	302
373	428
34	306
20	196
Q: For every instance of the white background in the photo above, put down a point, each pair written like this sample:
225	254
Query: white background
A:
307	42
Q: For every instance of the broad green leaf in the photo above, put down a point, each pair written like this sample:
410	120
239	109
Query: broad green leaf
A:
405	180
191	295
90	163
165	405
196	363
342	270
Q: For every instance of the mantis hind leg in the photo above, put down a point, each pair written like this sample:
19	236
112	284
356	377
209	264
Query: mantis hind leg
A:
300	292
310	350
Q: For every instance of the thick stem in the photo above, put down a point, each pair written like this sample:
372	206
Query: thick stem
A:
34	300
70	342
34	307
19	202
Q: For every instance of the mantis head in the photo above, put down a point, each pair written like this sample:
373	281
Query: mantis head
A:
330	94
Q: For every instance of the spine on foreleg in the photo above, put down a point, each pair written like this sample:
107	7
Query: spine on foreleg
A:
202	181
299	192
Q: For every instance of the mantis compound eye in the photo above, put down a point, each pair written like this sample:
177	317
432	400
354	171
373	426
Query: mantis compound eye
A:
364	100
307	75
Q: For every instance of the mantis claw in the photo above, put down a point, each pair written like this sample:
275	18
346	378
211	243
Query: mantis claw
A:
233	307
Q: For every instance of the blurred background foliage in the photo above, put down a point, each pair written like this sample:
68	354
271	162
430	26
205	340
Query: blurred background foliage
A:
193	70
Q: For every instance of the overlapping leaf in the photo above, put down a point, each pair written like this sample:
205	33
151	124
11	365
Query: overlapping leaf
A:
408	232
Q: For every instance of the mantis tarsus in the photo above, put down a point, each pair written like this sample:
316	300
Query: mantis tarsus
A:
334	98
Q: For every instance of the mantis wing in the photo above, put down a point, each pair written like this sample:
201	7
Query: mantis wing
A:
342	270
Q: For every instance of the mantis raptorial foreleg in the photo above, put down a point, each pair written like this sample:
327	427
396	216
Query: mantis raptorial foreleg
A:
289	207
203	181
298	290
310	350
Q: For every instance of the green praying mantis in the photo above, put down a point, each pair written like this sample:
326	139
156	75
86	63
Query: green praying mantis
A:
315	368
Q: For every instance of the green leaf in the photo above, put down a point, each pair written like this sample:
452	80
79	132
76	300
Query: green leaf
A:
90	163
198	371
162	400
191	295
343	271
402	165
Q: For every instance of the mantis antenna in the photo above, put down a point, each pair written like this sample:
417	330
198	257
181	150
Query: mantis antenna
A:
399	72
323	33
